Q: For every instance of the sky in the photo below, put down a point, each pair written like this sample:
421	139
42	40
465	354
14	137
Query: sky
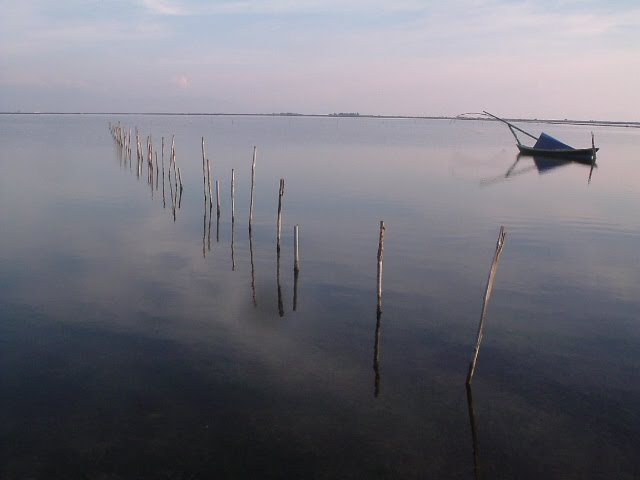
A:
577	59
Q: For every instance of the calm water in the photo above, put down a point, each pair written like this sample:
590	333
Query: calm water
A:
133	344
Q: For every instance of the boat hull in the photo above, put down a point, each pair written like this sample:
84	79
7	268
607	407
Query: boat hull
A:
577	154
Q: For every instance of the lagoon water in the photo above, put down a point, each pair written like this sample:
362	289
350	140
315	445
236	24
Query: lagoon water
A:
136	345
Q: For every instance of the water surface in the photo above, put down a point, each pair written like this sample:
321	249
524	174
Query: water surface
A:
135	344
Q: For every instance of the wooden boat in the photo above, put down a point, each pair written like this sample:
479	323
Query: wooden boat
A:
550	147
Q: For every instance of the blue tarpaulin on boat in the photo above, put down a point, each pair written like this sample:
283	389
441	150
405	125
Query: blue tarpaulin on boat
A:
547	142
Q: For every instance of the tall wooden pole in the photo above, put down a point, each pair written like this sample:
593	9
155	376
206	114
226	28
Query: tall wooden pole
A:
218	198
253	181
485	303
233	196
209	185
380	264
204	178
296	251
279	224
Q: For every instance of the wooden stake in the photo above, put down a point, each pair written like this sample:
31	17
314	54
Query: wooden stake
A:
173	158
164	203
279	225
204	180
296	267
485	303
296	252
218	198
233	198
209	186
253	181
380	263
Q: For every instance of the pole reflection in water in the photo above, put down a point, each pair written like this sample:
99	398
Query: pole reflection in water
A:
233	258
253	270
208	229
376	354
164	202
280	304
295	290
204	230
593	165
474	435
296	267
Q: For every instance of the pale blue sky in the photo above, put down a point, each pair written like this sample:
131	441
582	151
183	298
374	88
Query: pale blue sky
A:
551	59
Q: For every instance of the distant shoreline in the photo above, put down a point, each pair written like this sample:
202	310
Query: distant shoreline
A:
595	123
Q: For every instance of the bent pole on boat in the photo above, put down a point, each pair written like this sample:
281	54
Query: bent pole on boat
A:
511	126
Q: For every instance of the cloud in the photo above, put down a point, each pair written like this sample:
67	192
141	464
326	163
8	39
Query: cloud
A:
182	81
164	7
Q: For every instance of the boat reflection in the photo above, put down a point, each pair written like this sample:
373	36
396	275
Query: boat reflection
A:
523	164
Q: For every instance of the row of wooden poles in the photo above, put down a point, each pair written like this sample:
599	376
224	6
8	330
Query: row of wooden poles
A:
123	138
208	196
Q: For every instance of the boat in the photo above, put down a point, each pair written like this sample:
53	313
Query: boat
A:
549	147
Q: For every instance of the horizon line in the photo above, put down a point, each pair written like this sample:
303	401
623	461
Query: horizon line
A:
350	115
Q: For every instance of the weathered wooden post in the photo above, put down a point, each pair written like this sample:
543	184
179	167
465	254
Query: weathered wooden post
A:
204	178
485	303
253	181
279	224
209	186
296	267
296	251
218	198
380	264
164	202
233	198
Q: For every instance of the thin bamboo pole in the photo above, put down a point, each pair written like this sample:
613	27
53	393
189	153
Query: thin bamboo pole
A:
296	251
164	203
485	303
204	180
279	224
380	264
218	198
253	181
209	186
233	198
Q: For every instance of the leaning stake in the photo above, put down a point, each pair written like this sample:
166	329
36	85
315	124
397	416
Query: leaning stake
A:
233	196
380	262
296	252
253	181
485	304
279	225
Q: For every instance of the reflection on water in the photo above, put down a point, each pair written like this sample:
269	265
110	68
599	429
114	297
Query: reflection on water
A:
376	353
138	357
522	165
474	434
